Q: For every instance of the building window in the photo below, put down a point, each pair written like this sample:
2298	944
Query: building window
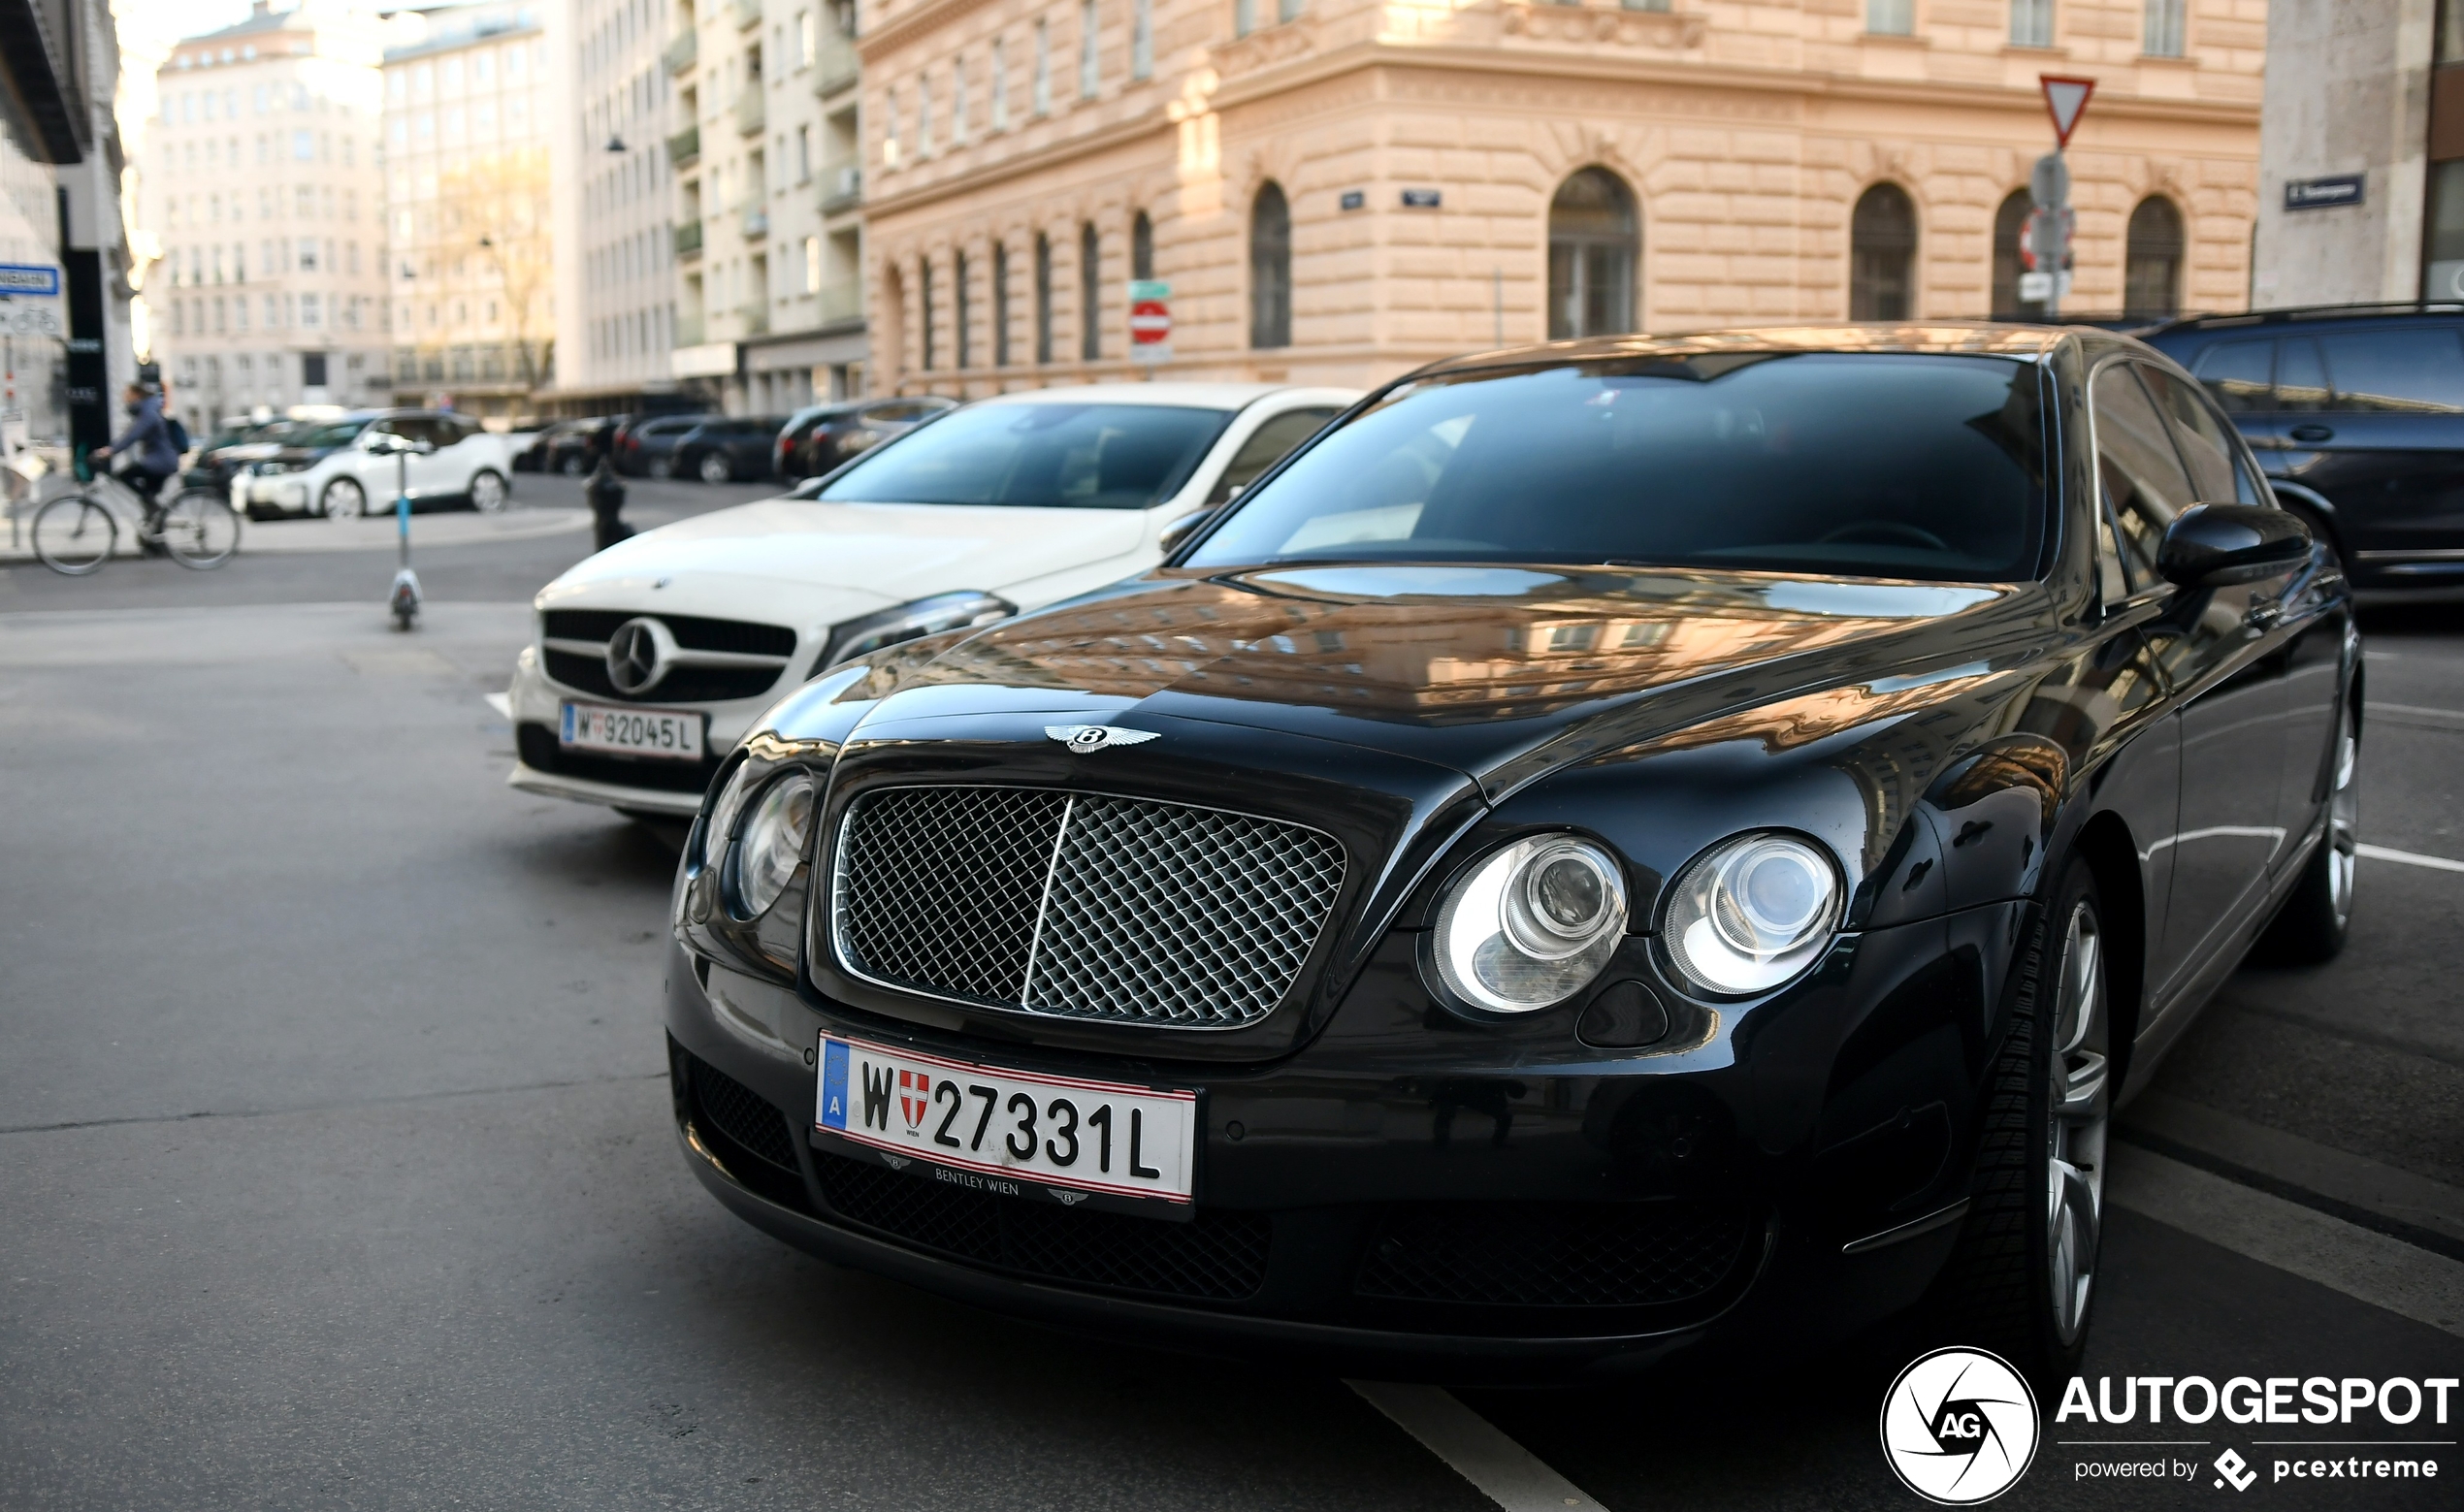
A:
2442	265
1090	294
1142	246
2152	261
1244	18
923	117
1000	83
1891	18
812	264
1042	94
1270	269
1142	39
2163	38
1043	299
923	299
959	292
1089	79
2032	23
1000	303
1595	243
1882	255
957	101
1287	10
2010	223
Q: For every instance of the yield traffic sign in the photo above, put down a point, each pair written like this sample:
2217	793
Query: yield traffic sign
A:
2065	100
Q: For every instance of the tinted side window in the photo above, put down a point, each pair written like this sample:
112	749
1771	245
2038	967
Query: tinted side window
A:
2206	449
2239	373
2143	483
1267	445
2301	378
2409	372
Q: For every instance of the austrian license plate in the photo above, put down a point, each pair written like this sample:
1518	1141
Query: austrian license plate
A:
1022	1134
640	732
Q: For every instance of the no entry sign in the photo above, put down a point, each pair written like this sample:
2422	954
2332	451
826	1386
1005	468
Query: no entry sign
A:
1149	321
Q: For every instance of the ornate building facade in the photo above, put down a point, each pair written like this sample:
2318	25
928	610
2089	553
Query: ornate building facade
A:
1337	190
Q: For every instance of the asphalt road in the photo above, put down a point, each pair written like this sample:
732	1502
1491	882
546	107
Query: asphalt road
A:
336	1169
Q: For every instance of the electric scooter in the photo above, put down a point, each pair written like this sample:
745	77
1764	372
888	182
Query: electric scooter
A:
403	601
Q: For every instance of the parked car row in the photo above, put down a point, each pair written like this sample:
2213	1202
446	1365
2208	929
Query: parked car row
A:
726	448
359	464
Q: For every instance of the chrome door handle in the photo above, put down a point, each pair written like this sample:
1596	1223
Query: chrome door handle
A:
2313	432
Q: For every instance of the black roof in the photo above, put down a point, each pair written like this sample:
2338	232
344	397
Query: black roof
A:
2304	312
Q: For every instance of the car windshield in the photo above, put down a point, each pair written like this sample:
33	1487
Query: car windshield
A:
1038	456
1879	464
338	433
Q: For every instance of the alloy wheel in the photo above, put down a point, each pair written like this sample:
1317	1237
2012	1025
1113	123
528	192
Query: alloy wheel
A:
344	499
487	493
716	468
2079	1107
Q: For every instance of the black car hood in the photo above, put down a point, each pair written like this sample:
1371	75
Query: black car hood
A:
1502	673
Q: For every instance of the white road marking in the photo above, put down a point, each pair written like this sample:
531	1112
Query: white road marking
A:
2383	1272
2436	863
2416	711
1474	1448
502	703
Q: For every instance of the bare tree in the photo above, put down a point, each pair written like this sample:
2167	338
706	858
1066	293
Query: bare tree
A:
495	207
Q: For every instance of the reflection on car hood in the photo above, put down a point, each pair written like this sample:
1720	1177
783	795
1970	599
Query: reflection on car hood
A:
1501	672
891	552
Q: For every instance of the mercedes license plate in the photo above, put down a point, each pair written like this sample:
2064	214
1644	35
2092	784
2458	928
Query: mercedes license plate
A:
639	732
1018	1132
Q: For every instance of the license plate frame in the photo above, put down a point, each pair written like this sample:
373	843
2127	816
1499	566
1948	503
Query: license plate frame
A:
877	1118
574	719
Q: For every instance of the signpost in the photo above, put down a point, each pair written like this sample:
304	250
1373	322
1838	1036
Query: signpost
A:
2045	242
1149	321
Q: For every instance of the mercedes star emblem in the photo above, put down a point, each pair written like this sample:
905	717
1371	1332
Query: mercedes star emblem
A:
637	655
1083	739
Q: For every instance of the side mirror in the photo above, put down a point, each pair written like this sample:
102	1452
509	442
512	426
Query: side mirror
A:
1181	530
2210	545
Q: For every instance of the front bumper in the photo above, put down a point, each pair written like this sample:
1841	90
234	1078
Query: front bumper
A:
1381	1200
666	788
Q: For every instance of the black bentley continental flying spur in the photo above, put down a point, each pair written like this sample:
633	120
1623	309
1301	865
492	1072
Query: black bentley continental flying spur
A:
1612	845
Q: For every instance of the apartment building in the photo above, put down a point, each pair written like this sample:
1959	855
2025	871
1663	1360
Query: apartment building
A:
259	195
768	242
614	195
470	248
1337	190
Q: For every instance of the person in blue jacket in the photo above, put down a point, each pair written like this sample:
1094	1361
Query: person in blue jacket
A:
148	457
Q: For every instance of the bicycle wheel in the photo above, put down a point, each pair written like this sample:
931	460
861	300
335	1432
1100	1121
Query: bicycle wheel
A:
72	535
201	529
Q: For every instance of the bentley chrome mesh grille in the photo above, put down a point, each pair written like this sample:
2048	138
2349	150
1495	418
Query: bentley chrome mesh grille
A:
1080	906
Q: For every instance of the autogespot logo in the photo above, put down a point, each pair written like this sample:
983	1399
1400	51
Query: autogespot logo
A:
1960	1427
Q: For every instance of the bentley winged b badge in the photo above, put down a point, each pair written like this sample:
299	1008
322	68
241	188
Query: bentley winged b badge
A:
1083	739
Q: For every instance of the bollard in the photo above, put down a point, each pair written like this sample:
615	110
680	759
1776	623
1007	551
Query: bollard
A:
606	498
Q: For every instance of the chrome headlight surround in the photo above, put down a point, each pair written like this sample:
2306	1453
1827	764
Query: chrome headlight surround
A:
1752	913
1530	925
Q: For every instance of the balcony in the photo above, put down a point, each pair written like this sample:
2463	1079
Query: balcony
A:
843	188
689	240
756	318
838	66
747	13
839	302
749	110
756	222
681	52
683	147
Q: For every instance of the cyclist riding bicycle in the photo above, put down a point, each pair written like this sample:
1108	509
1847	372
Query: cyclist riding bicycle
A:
149	457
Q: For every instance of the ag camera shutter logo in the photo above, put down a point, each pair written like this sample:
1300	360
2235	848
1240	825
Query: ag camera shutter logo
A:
1960	1427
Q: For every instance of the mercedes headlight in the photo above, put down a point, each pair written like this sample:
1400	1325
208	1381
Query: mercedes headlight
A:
764	858
1531	925
909	621
1751	913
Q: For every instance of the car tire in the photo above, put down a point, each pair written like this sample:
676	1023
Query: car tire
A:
661	468
2311	927
488	490
343	500
575	467
2020	1280
717	468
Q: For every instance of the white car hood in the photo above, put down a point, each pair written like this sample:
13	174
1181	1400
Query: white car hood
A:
871	555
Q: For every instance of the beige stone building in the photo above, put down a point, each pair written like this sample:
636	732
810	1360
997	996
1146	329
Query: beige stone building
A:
1337	190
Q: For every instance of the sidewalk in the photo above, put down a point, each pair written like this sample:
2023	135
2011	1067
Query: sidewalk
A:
376	534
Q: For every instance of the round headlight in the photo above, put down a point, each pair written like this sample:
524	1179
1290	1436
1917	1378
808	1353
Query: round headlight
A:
1751	913
1531	925
772	846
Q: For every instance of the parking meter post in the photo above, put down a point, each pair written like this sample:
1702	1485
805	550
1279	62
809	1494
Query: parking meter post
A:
606	498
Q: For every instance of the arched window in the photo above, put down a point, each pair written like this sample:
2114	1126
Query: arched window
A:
1142	246
924	314
1595	241
2151	262
1882	255
2010	223
959	297
1269	267
1043	298
1090	294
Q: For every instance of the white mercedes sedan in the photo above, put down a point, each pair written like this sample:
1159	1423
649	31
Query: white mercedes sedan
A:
654	655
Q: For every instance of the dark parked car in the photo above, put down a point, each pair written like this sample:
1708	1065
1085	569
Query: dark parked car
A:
726	448
644	446
542	453
1612	845
576	451
815	441
2357	414
234	449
